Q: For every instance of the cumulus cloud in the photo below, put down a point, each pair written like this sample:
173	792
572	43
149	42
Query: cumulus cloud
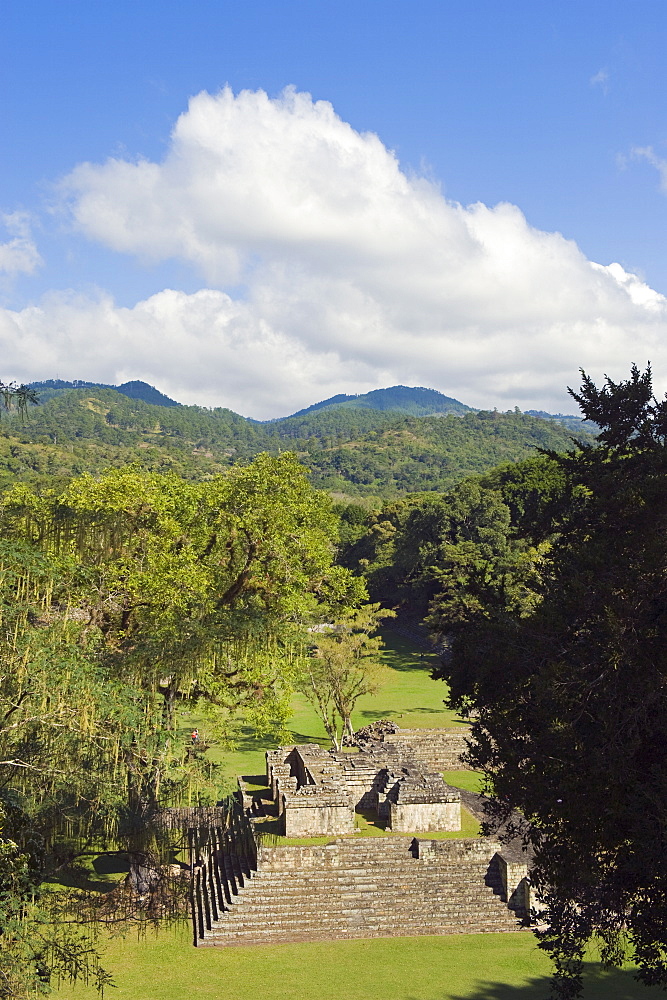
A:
18	255
329	269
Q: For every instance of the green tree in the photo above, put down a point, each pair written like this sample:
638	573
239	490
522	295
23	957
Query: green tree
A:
572	697
344	665
120	597
61	740
200	590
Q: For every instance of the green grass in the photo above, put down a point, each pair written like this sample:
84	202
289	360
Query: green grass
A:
454	967
470	781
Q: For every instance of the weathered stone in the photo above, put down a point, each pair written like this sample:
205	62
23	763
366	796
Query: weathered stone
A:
317	791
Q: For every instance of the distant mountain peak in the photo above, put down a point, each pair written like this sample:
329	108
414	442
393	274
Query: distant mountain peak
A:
414	401
133	390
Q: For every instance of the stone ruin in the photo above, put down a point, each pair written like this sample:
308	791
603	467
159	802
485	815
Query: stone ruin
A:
316	792
245	890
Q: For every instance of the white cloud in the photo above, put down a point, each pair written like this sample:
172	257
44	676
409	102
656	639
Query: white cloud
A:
354	275
601	80
18	255
648	153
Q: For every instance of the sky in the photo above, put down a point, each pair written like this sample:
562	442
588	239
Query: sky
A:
259	205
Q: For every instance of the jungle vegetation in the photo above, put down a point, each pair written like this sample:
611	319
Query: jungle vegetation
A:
195	574
123	597
365	453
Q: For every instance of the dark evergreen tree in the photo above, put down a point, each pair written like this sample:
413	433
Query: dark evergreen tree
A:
572	697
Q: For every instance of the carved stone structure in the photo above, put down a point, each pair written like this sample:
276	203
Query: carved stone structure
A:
317	791
247	892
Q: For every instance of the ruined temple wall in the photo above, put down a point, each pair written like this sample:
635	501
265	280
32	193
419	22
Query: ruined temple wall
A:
438	749
359	785
317	820
457	850
424	816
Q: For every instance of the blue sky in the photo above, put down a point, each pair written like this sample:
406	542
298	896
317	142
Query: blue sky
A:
266	251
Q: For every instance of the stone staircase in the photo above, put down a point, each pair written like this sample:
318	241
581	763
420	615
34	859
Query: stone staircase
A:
364	887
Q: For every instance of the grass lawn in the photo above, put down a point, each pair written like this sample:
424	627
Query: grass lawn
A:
470	781
455	967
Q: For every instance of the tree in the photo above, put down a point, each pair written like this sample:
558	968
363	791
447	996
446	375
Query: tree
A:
344	665
449	554
60	735
121	597
572	696
200	590
19	396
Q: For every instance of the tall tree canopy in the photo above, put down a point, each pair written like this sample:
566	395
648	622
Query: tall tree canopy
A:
121	597
572	694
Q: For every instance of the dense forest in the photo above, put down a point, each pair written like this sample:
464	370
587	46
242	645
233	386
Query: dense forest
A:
360	452
545	581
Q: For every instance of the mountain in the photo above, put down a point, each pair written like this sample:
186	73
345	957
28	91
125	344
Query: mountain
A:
133	390
413	401
355	452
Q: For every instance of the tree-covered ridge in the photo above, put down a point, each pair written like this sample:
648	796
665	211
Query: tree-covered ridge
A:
432	453
360	452
134	390
79	431
413	401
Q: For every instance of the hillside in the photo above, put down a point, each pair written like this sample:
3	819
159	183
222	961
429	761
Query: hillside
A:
358	451
134	390
431	453
413	401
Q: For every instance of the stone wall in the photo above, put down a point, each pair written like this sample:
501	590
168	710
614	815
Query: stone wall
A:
439	749
317	791
515	883
424	816
317	819
455	851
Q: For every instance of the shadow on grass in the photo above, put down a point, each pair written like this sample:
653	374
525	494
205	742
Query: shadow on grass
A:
322	741
81	874
112	864
77	878
393	713
248	741
408	661
256	779
368	818
599	984
402	654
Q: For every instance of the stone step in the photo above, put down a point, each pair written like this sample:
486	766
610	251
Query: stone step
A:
363	888
295	881
459	915
460	907
367	930
354	918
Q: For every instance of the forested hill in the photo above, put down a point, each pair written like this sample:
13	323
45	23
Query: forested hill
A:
412	401
356	451
432	453
135	390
